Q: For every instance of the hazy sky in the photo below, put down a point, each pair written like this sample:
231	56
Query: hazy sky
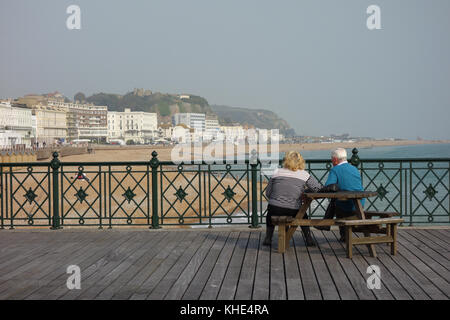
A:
315	63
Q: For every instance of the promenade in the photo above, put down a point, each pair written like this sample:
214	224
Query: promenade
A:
219	263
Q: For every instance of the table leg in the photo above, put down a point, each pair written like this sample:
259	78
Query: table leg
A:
349	241
394	238
288	239
362	216
388	232
281	238
300	215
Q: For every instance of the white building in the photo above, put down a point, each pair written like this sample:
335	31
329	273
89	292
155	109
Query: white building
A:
165	131
15	125
181	134
263	135
212	128
84	121
50	124
211	123
139	127
233	133
276	136
196	121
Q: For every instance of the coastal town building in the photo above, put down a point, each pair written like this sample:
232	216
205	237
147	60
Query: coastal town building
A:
181	133
196	121
233	133
136	126
212	128
15	125
165	131
211	123
84	121
50	125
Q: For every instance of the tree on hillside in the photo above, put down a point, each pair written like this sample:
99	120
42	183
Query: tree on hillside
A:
79	97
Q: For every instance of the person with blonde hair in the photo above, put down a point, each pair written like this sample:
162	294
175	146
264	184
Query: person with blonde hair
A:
285	190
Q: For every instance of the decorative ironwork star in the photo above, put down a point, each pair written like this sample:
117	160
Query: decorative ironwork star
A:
81	194
180	194
30	195
430	192
382	191
129	194
229	193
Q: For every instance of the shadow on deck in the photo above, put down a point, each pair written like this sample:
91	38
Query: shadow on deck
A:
217	264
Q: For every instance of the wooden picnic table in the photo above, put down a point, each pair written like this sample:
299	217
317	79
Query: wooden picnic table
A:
286	233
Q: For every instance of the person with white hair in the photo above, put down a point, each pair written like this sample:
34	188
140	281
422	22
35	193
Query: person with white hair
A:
347	178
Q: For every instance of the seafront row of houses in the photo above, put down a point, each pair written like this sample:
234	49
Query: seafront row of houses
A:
39	121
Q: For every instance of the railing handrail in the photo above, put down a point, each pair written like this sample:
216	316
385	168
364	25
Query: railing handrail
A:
171	163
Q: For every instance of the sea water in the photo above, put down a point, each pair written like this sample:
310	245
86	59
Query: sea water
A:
440	150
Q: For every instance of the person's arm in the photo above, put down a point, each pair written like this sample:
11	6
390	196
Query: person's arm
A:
332	178
269	188
312	184
270	184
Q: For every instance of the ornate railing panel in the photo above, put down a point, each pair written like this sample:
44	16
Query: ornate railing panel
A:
25	196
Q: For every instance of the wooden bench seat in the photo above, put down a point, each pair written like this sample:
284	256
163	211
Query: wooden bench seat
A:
381	214
302	222
362	226
367	222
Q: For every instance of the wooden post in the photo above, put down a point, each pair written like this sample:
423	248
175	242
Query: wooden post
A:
300	215
288	239
281	237
388	231
349	241
394	238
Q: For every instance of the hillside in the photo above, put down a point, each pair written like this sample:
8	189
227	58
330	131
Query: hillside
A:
165	105
258	118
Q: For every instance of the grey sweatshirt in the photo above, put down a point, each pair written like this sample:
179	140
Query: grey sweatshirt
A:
286	187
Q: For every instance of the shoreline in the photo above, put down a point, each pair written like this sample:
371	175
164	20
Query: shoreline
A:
142	153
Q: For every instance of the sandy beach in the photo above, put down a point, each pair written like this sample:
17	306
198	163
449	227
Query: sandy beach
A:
142	153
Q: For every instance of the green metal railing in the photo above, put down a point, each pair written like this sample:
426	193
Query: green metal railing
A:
160	193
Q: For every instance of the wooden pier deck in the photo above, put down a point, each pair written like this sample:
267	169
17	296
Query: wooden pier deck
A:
217	263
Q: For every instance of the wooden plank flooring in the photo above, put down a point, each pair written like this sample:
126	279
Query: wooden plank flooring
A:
221	263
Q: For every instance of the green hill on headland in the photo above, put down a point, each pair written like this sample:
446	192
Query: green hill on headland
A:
165	105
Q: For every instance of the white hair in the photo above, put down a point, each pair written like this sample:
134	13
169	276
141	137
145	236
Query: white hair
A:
339	154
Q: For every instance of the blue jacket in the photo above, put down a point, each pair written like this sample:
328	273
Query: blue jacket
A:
347	178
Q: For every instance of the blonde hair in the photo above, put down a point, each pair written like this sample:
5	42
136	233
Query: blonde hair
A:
293	161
